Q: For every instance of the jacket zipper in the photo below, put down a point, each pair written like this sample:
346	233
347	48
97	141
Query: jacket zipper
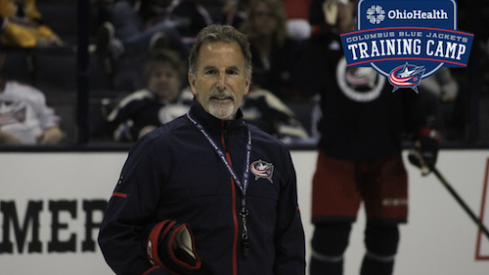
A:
233	186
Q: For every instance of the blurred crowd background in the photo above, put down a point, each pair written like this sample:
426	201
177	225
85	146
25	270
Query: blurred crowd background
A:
100	60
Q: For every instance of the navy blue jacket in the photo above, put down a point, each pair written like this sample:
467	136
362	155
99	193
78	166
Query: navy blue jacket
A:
174	173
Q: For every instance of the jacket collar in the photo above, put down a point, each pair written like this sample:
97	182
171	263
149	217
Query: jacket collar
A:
213	124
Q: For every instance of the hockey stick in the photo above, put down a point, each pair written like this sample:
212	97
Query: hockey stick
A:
452	191
417	160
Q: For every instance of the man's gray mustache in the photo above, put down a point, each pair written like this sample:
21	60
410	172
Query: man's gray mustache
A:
216	93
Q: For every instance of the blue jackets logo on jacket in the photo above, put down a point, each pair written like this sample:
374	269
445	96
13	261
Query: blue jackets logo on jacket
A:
262	169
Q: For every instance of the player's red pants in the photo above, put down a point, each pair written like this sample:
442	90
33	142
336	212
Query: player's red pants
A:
339	186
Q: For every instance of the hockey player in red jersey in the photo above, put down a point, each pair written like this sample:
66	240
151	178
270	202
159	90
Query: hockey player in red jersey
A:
361	127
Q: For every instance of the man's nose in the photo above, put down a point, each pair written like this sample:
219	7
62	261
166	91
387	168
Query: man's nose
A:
163	78
221	82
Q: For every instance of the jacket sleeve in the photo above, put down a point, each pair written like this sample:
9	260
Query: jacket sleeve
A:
421	110
130	208
289	233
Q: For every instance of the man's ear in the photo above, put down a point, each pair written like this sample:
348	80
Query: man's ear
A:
191	81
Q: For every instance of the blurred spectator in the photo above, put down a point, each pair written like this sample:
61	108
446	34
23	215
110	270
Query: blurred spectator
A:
271	47
194	13
162	100
445	88
297	11
441	84
24	116
22	26
139	25
327	23
264	110
234	12
297	18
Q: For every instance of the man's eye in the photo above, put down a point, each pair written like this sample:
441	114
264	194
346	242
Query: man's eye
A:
232	72
210	72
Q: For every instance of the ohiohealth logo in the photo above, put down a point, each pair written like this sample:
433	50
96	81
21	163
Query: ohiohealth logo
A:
375	14
406	40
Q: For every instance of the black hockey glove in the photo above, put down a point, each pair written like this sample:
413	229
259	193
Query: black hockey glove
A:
171	246
425	150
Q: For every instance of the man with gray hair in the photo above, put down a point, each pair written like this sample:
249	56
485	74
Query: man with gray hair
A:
207	193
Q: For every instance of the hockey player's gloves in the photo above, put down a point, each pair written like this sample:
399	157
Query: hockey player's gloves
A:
171	246
425	151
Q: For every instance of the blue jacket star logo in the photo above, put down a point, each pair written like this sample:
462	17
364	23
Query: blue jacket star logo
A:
406	76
